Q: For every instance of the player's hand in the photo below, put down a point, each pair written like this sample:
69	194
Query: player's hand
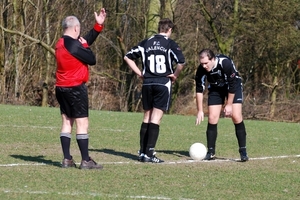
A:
200	118
101	17
173	77
141	76
228	110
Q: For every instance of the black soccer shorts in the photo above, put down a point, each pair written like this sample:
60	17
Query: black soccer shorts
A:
73	101
217	95
156	94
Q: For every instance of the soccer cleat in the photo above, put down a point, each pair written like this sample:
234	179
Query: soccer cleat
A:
243	154
141	156
91	164
152	159
209	156
66	163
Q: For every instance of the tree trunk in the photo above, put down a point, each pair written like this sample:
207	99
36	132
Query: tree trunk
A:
153	17
224	42
48	57
18	52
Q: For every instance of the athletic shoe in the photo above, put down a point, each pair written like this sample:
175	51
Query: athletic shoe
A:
91	164
209	156
152	159
141	156
243	154
66	163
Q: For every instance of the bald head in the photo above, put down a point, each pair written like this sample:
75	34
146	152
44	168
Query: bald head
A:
71	26
70	21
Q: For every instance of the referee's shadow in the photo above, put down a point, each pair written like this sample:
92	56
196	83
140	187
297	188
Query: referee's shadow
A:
37	159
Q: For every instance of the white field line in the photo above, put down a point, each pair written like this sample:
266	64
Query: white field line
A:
169	162
87	194
134	162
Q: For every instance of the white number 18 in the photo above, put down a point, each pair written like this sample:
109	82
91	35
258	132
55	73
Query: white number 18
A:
157	63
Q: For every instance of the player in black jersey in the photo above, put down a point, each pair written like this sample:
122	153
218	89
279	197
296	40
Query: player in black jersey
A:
157	53
224	82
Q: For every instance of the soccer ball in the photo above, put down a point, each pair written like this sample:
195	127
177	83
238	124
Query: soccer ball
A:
198	151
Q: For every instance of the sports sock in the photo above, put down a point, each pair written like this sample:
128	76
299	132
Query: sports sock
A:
83	144
153	132
65	140
143	137
240	132
211	136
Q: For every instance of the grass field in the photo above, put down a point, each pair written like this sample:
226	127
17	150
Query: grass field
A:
31	156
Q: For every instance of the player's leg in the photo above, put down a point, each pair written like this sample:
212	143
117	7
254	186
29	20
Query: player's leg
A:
212	130
216	99
237	119
147	106
144	134
161	100
153	133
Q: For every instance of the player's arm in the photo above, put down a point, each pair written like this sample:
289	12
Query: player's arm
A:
176	73
229	70
177	56
200	79
199	104
133	66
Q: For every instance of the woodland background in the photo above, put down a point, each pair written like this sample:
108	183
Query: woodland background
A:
261	36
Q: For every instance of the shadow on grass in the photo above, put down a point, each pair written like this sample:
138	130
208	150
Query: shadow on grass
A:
39	159
134	156
116	153
229	159
176	153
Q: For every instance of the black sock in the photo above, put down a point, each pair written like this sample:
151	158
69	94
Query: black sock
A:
65	140
240	132
143	137
153	132
83	144
211	136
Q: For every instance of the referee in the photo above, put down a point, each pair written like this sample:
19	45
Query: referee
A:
73	56
158	53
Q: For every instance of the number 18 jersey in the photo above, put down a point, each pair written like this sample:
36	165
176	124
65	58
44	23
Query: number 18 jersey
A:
158	54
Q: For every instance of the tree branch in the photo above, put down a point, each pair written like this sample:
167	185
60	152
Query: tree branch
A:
43	44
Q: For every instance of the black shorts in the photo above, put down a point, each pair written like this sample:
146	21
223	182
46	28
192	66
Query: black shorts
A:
217	95
73	101
156	93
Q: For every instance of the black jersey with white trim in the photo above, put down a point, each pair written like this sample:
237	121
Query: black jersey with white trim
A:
223	74
158	54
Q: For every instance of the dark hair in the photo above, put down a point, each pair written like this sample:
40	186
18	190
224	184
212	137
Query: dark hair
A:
207	52
164	25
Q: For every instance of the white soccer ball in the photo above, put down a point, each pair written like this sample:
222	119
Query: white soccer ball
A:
198	151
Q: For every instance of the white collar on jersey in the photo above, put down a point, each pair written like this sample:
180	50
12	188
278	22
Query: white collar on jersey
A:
216	62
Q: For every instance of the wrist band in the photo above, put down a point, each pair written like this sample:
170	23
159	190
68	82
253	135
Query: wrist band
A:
98	27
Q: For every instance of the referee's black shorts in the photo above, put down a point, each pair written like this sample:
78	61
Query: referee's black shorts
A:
156	93
73	101
217	95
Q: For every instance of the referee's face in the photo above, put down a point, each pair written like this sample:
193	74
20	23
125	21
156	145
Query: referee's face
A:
206	63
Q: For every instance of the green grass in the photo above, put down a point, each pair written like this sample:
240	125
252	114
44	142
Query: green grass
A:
31	154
